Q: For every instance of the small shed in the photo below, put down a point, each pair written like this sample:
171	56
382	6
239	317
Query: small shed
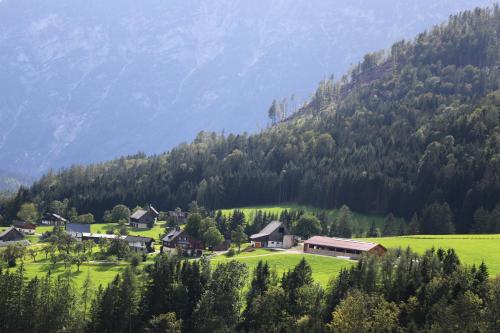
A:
274	235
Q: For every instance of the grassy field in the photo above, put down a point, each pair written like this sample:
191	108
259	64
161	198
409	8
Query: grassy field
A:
323	268
360	221
102	228
471	249
155	232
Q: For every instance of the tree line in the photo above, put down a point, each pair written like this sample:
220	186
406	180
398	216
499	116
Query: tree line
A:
400	291
413	133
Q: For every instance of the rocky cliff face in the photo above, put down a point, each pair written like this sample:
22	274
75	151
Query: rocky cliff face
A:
84	81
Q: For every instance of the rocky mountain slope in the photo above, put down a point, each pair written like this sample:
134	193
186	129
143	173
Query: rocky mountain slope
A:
89	80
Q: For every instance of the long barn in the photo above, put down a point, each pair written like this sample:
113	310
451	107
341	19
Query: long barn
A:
341	247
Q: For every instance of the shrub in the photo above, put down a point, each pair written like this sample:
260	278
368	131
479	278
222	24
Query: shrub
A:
231	252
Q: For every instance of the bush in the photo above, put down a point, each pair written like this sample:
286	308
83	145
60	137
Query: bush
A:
135	259
231	252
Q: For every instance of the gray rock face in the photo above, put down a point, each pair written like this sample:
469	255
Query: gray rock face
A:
87	80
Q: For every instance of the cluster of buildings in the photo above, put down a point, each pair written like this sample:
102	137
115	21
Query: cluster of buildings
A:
81	232
276	235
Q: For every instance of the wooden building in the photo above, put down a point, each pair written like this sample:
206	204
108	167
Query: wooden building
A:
11	235
25	227
140	244
53	219
182	241
143	219
341	247
76	230
274	235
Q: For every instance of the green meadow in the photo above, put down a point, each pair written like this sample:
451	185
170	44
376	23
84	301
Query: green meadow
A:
471	249
323	268
359	221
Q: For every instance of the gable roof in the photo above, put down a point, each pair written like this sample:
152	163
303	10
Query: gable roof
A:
24	225
78	227
172	235
153	210
268	229
9	230
138	214
343	243
138	239
55	216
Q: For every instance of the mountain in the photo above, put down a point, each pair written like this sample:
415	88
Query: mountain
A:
10	181
413	131
90	80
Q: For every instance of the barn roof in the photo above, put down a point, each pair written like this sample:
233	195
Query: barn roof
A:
78	227
138	214
55	216
172	235
9	230
24	225
269	229
343	243
152	209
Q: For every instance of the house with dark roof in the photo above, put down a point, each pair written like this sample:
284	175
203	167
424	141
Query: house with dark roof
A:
183	242
11	235
274	235
140	244
25	227
53	219
77	230
143	219
341	247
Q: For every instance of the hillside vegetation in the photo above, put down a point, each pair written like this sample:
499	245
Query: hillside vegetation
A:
414	130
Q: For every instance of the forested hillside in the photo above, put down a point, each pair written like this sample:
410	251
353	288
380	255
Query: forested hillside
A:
413	130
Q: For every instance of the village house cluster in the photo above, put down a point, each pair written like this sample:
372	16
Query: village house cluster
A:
275	235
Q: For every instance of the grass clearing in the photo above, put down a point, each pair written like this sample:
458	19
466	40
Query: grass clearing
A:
155	232
323	268
471	249
360	221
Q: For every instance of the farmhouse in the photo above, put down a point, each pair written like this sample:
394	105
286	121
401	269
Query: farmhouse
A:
77	230
341	247
140	244
274	235
179	239
143	219
25	227
53	219
11	235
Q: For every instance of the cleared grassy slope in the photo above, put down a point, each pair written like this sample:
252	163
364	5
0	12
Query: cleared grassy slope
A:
362	221
471	249
323	268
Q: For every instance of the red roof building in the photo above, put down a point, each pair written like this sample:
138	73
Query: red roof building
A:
341	247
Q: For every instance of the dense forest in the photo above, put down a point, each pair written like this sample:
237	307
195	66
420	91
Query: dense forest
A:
400	291
407	130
